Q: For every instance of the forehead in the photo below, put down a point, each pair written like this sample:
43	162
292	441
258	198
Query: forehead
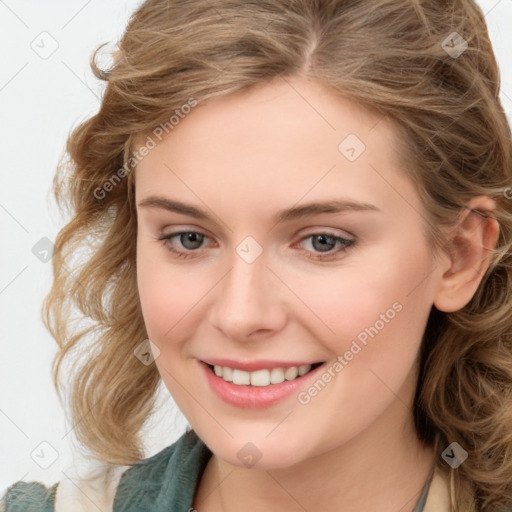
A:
289	108
289	138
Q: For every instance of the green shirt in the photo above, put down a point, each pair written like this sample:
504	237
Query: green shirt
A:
165	482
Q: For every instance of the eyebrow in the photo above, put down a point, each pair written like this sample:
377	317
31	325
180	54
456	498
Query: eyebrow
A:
295	212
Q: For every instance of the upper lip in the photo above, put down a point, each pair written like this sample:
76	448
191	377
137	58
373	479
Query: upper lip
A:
252	366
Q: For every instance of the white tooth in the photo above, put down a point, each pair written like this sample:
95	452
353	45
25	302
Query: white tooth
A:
240	377
276	375
303	369
291	373
260	378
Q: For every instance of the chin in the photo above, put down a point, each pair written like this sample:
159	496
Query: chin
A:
261	455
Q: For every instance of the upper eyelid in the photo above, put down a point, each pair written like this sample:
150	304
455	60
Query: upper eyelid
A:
182	231
317	231
314	231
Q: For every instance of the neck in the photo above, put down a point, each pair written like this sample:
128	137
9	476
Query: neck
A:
384	468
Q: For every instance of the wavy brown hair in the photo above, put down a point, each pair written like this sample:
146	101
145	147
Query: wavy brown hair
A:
386	55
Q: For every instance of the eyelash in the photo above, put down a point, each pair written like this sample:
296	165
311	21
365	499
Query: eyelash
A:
346	244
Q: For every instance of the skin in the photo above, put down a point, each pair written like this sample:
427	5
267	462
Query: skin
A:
243	158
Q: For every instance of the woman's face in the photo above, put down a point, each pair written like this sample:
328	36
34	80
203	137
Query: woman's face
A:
267	276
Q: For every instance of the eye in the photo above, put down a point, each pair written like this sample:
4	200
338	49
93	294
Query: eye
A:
189	240
324	243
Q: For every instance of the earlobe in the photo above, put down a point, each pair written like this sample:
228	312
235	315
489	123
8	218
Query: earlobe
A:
470	251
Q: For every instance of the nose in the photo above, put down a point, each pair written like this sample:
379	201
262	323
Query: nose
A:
248	303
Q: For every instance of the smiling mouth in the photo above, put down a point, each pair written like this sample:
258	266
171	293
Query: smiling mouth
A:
262	378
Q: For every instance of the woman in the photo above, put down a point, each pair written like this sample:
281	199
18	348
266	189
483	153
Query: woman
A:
298	219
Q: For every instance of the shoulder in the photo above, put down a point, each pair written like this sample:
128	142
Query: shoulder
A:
165	479
28	497
168	477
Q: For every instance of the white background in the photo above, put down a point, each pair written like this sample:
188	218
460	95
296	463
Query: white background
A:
41	100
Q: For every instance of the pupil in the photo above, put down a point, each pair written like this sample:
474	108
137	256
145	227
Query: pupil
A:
323	238
193	238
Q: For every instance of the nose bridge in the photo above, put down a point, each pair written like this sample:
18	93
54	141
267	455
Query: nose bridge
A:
247	299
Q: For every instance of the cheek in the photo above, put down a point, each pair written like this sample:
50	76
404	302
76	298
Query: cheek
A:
387	295
167	293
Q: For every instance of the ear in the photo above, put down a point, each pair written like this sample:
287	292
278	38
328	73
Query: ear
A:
469	254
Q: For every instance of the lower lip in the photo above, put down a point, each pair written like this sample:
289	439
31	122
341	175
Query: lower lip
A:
255	397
